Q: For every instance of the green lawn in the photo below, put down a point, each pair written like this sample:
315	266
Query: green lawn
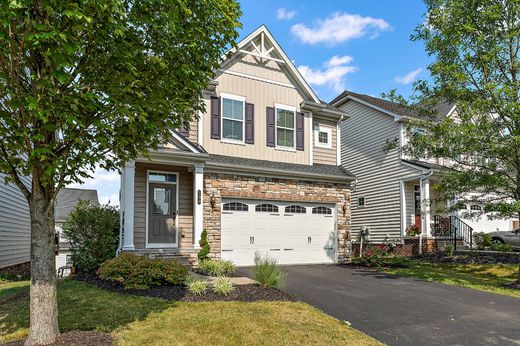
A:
136	320
484	277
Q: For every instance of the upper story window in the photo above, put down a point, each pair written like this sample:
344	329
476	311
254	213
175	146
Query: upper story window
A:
476	207
361	201
323	137
233	110
285	126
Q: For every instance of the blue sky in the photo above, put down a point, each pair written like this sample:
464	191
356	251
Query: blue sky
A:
359	45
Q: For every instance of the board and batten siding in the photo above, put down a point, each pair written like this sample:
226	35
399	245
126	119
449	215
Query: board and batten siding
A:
15	224
325	155
185	186
378	173
262	94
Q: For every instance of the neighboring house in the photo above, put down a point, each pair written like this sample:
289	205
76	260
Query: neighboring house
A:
391	192
259	171
66	201
15	225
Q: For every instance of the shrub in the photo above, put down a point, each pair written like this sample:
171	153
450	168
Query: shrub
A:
482	240
216	267
223	285
449	249
502	247
141	273
413	230
93	232
204	246
267	272
196	286
381	261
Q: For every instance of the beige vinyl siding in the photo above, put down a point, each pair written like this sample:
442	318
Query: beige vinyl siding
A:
247	64
185	186
15	224
324	155
262	94
192	135
378	173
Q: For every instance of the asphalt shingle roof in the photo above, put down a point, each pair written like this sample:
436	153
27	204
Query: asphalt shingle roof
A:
281	168
68	198
442	108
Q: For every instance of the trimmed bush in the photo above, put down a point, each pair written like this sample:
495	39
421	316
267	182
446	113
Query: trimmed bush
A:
267	272
450	250
223	286
382	262
216	267
197	286
139	272
204	246
93	232
482	240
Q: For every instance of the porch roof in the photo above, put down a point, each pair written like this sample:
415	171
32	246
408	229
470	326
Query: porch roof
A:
425	165
321	172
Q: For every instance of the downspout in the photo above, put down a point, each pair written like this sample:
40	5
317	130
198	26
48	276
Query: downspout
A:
425	226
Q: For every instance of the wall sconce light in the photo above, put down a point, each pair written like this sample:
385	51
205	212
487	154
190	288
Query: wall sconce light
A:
199	197
212	200
344	208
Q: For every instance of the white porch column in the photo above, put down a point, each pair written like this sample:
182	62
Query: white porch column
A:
128	204
425	207
198	207
403	209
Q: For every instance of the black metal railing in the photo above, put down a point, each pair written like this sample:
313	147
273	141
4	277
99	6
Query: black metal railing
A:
453	228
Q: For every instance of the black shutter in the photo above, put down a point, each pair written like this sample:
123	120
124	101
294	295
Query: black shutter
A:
250	123
215	117
270	127
185	131
299	131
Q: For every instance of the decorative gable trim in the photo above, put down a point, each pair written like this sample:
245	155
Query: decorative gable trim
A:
182	142
247	46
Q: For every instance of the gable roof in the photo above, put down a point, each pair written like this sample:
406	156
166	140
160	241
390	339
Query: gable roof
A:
68	198
394	109
275	53
185	143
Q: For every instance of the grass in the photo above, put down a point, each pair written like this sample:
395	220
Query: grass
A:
483	277
136	320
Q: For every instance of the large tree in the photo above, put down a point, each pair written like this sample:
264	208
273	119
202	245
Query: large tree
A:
474	45
95	82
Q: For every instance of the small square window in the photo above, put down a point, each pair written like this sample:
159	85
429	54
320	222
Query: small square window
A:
361	201
323	137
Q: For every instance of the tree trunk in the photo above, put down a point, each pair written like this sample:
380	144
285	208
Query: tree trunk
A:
43	299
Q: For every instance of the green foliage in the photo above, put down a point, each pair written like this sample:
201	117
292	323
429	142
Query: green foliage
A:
223	286
449	249
379	261
139	272
267	272
482	240
413	230
502	247
204	246
112	78
196	286
93	232
216	267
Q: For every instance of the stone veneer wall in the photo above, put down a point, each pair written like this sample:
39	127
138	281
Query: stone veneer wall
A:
221	185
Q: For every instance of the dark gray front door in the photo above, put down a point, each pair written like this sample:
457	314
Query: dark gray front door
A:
162	212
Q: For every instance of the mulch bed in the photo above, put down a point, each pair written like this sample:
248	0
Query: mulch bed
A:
243	293
470	258
513	285
75	338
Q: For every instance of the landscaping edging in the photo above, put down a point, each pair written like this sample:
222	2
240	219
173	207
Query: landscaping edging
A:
75	338
243	293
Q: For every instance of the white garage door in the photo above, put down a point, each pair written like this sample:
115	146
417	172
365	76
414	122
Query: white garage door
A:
292	233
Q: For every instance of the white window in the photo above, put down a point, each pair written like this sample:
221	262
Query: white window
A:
233	111
285	126
476	207
323	137
361	201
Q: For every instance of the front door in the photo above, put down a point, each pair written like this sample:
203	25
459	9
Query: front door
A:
417	205
162	209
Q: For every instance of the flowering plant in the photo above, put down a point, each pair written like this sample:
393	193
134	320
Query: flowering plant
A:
413	230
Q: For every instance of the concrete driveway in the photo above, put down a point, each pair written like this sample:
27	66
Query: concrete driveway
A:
406	311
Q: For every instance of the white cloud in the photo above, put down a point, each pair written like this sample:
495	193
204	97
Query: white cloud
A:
284	14
338	28
105	182
331	74
409	77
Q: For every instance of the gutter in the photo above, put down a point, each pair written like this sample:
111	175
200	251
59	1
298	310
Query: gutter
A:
322	108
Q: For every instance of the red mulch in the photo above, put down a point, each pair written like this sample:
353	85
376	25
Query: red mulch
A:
75	338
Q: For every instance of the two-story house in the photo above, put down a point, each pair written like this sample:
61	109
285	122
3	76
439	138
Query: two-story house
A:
393	192
259	170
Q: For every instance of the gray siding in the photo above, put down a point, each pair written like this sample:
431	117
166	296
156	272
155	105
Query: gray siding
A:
15	225
363	137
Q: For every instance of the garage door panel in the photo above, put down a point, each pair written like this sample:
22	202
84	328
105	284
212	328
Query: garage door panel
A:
290	238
